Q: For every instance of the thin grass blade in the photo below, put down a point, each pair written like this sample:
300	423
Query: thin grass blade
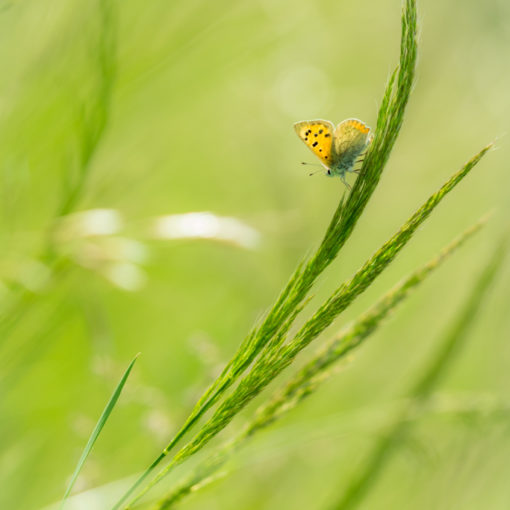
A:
107	411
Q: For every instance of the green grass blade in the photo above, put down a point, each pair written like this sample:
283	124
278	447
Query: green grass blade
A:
315	372
364	277
318	368
277	355
453	341
97	429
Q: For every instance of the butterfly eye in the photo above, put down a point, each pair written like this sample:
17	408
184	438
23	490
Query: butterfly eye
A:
328	172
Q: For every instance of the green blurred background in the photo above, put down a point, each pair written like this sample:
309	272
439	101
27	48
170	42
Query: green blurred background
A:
197	99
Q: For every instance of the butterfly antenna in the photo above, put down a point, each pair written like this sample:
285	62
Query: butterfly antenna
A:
313	164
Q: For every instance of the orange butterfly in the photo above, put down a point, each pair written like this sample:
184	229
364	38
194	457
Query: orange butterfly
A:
339	148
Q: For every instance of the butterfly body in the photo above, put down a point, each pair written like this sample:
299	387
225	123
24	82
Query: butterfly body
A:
337	148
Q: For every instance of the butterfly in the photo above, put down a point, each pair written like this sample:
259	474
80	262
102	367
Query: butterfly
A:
338	148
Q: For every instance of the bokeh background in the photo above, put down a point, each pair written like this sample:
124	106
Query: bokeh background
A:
150	109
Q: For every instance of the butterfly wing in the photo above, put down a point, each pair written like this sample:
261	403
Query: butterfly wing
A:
351	138
318	137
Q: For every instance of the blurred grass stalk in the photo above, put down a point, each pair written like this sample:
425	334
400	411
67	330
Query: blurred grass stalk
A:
320	368
94	117
447	351
93	121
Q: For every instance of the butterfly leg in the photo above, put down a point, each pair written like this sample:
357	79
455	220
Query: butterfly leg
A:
347	185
